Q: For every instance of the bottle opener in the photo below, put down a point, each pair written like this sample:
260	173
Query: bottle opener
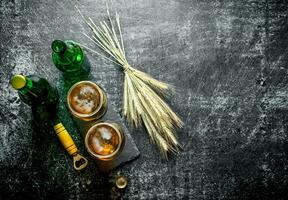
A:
79	162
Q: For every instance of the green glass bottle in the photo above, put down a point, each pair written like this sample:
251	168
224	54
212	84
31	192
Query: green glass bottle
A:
34	90
39	94
69	58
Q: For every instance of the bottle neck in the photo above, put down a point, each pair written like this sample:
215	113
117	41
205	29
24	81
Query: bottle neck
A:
28	88
66	54
34	91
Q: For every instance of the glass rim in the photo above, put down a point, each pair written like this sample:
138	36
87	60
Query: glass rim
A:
95	111
120	135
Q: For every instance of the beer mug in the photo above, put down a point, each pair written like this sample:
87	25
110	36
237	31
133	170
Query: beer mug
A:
87	101
105	141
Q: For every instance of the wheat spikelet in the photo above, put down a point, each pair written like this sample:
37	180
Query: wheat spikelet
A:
141	100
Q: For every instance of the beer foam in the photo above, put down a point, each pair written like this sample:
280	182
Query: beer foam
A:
83	105
104	140
87	89
105	133
85	99
97	144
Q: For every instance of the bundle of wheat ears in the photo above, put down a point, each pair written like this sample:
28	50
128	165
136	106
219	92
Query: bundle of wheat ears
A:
141	100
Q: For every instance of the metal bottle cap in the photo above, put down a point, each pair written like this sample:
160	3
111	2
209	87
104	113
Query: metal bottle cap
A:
121	182
18	82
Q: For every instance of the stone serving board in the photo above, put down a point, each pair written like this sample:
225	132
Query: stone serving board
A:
130	150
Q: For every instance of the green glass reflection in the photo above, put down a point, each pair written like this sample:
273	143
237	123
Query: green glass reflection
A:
69	58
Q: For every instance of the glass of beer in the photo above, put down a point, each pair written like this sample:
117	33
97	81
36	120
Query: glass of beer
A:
87	101
104	141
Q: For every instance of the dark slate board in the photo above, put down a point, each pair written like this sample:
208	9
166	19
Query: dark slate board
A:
130	150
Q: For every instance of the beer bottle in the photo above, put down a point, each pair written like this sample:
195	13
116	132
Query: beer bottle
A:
37	93
69	58
34	90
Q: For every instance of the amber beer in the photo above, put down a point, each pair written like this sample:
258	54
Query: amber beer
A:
87	101
104	141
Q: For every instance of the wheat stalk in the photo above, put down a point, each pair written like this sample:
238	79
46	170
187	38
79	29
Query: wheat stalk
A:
141	102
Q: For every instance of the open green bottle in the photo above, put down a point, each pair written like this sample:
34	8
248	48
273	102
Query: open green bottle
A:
69	58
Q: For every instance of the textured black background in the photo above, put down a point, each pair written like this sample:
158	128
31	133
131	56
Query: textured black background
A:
228	63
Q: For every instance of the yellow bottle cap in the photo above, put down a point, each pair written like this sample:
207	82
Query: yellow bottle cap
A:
121	182
18	82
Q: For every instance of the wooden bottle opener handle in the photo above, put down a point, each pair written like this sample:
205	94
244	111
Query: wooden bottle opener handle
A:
79	162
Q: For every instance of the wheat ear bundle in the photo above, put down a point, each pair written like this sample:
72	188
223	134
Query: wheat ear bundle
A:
141	102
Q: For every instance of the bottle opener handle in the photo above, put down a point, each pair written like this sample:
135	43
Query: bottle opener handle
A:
79	162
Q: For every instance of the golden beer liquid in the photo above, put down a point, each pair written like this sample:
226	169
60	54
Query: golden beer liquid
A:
86	101
104	141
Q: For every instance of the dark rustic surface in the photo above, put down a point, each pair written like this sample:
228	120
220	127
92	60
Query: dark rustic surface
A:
228	62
